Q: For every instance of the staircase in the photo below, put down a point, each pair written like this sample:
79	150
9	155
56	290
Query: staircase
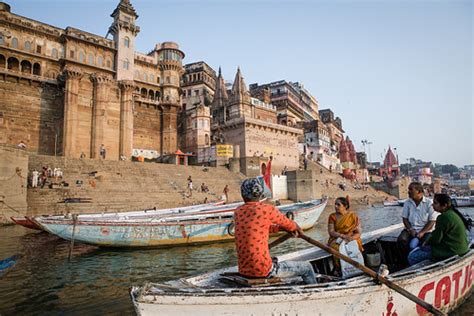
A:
96	186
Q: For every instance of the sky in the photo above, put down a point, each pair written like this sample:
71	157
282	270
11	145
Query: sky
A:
397	73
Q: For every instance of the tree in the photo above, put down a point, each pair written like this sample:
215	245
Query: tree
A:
449	169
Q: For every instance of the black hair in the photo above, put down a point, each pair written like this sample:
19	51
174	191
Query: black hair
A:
344	201
417	186
444	199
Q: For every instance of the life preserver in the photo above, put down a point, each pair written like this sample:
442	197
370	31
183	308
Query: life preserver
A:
231	229
290	215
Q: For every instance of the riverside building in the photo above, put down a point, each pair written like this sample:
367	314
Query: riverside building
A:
67	91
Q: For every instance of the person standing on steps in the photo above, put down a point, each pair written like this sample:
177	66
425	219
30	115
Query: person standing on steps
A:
102	151
190	187
226	193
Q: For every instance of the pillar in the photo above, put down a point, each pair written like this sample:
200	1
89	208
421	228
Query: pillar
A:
70	130
169	131
126	118
99	112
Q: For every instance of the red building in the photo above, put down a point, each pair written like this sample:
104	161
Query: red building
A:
390	168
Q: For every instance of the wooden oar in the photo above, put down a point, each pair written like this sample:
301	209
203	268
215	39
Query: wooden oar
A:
374	275
279	240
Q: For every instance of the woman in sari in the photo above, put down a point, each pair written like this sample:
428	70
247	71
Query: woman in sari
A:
343	225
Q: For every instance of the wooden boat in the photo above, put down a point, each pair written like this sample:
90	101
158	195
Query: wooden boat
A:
464	201
445	284
394	203
7	263
169	229
29	221
26	221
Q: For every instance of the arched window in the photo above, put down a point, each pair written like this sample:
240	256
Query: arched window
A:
126	63
27	46
109	63
54	53
25	67
151	76
13	64
151	95
90	59
37	69
143	93
2	41
126	42
144	77
206	139
100	61
15	42
82	56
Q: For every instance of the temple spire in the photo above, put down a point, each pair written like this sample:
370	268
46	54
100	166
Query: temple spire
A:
125	6
220	94
239	87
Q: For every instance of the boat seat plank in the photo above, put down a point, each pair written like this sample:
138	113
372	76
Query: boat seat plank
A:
236	278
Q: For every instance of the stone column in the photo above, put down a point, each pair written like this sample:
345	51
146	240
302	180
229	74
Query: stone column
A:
126	118
169	132
72	78
99	112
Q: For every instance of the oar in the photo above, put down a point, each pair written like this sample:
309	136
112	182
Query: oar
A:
374	275
279	240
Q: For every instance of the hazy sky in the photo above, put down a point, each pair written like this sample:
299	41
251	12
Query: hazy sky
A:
398	73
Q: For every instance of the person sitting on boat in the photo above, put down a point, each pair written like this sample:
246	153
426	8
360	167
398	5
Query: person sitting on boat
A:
254	221
418	218
343	225
448	239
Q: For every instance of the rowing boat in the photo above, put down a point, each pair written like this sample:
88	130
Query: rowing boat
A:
30	222
394	203
464	201
215	225
445	284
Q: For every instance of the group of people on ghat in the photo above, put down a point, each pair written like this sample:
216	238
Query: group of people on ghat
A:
425	235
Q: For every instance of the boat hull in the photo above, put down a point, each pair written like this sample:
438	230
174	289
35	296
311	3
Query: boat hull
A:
446	286
27	222
213	227
464	201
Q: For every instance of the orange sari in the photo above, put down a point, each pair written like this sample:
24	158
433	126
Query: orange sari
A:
346	224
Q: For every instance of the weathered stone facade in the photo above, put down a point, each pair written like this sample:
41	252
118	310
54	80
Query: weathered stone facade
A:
251	125
67	92
197	84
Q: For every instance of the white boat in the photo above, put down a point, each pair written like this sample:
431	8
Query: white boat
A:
394	203
445	284
167	230
464	201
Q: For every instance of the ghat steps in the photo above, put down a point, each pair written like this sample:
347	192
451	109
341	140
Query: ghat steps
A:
113	186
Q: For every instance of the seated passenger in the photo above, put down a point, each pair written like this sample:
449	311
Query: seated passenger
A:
343	225
253	222
449	237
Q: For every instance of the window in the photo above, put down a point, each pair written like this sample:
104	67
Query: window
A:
126	42
27	46
90	59
109	63
15	42
54	53
38	49
126	64
196	92
1	40
167	79
158	79
206	138
100	61
151	76
82	56
71	54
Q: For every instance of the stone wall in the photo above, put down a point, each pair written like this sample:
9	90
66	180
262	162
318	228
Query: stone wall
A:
13	183
303	185
31	111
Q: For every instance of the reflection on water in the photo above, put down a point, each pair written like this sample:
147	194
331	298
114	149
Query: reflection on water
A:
97	281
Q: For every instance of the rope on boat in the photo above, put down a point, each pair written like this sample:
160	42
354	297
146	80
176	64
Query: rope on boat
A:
74	218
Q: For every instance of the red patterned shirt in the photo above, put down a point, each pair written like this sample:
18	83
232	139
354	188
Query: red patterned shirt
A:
253	224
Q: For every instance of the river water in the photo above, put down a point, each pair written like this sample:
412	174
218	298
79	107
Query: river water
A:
96	281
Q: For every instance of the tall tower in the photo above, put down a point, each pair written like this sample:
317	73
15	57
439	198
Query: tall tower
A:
239	102
219	103
124	31
170	63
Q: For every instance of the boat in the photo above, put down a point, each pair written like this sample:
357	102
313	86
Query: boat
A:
445	284
7	263
394	203
26	221
215	225
464	201
30	222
